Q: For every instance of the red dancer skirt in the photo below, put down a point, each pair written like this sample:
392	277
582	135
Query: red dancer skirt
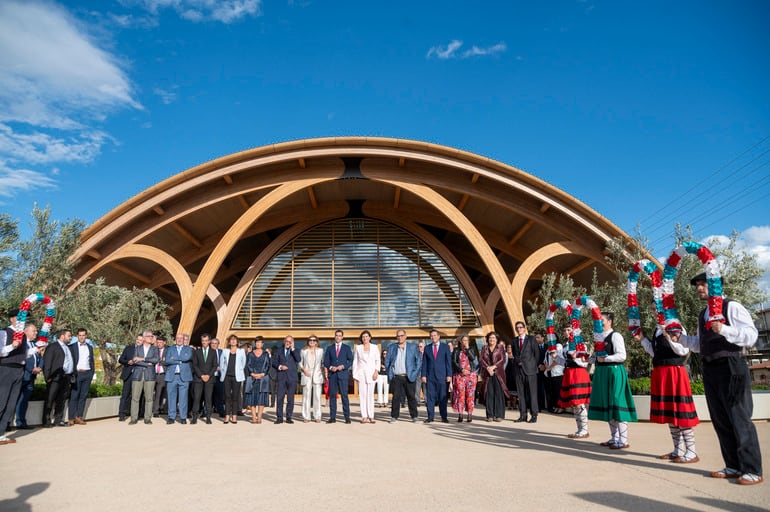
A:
671	397
575	387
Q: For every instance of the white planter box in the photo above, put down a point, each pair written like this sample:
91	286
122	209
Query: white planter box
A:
761	406
103	407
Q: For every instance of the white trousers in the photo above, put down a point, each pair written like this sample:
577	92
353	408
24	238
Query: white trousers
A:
366	397
383	388
315	391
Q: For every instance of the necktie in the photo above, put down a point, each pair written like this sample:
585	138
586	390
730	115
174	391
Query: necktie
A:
158	367
435	351
521	342
338	350
205	354
286	353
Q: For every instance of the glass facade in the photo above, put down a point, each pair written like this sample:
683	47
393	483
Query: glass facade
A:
355	273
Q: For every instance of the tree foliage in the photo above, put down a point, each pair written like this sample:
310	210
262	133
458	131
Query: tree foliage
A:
114	316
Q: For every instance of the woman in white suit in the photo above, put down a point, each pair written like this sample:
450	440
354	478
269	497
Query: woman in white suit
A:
232	364
366	367
311	366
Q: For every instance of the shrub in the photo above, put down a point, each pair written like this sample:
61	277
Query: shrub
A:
640	385
697	387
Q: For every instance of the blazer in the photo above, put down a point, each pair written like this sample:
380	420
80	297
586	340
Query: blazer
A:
365	365
125	357
345	359
202	367
438	368
146	367
76	355
171	361
33	361
53	361
291	361
528	357
240	364
412	361
497	357
316	375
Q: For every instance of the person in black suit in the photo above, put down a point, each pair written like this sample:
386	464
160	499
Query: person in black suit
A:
285	361
13	354
204	365
436	374
541	396
127	360
526	355
338	360
83	357
159	402
58	365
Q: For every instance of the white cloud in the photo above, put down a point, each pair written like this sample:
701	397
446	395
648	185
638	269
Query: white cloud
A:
445	52
756	241
13	180
56	85
225	11
450	51
166	97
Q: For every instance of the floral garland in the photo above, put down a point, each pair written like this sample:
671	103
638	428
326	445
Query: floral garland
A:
21	318
596	315
713	280
550	330
634	319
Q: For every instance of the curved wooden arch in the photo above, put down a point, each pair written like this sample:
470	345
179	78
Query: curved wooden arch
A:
524	273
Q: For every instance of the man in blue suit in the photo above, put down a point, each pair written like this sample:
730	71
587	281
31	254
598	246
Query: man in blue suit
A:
338	359
436	373
83	355
285	362
143	377
178	378
403	364
32	366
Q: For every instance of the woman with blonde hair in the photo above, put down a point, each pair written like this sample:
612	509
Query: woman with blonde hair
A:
311	365
366	367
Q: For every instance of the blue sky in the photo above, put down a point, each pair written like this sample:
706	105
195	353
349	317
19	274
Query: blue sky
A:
652	113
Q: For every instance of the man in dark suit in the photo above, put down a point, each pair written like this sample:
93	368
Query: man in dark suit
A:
338	359
219	390
32	367
285	362
436	373
127	360
204	366
178	377
58	366
143	377
160	377
541	395
526	355
83	356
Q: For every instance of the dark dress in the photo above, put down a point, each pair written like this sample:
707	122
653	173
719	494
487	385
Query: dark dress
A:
259	392
495	390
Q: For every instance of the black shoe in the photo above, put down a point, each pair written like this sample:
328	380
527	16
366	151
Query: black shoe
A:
444	420
520	419
427	420
208	420
331	420
121	418
289	421
62	424
148	422
278	421
533	419
169	421
193	421
47	425
133	422
183	421
156	415
460	419
347	420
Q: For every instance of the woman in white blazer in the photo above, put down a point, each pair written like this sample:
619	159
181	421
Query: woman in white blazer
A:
311	366
366	367
232	364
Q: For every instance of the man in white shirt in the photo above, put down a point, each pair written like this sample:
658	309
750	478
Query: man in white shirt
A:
83	355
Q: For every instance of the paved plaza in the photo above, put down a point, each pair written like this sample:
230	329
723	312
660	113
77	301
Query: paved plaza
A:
112	466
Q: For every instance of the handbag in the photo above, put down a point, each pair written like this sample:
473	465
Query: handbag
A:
249	384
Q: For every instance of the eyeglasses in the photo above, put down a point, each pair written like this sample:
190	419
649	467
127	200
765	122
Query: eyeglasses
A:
312	339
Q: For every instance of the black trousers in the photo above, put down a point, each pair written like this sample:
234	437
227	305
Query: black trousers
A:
526	385
727	385
159	403
401	386
57	393
205	390
124	409
232	390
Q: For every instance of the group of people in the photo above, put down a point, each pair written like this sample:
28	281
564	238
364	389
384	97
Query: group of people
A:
67	367
209	378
